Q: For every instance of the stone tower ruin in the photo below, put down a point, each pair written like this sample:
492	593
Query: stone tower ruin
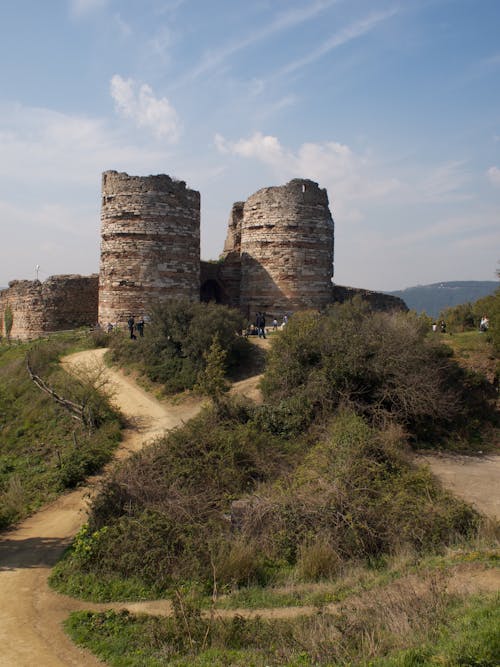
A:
284	240
150	244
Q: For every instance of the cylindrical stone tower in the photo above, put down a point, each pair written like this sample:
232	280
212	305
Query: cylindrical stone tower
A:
150	244
286	249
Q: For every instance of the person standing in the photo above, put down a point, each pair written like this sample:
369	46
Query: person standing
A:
140	327
131	325
261	325
485	323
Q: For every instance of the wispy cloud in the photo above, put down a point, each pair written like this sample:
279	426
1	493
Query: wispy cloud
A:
444	182
340	38
124	28
138	103
282	22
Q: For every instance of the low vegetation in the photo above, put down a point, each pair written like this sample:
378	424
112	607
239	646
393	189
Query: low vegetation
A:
316	482
221	499
409	624
383	366
43	448
174	349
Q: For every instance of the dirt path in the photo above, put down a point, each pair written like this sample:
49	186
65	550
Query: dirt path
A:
472	478
30	612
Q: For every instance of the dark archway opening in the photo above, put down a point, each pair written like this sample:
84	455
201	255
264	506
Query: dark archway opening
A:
210	290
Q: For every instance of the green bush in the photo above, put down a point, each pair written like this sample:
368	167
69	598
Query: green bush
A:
173	350
163	516
491	307
169	515
381	365
357	495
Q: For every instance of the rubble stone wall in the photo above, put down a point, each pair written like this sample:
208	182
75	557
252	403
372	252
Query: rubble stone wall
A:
287	237
60	303
150	244
377	300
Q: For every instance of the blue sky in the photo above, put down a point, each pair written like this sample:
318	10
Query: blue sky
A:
392	105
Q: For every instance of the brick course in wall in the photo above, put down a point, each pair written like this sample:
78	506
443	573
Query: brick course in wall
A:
150	244
277	258
287	236
60	303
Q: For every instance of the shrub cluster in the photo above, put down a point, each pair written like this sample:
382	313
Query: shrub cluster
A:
173	350
355	495
381	365
222	498
244	493
165	514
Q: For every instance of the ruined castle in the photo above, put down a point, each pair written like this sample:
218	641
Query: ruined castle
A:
277	258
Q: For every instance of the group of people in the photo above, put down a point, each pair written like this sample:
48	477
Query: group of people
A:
135	326
483	325
258	328
442	326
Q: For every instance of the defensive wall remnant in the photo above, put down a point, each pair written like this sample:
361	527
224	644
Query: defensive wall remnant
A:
59	303
150	243
277	258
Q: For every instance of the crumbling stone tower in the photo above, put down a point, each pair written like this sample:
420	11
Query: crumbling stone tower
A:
150	244
286	247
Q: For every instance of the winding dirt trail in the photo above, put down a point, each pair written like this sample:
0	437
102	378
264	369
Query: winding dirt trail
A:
31	613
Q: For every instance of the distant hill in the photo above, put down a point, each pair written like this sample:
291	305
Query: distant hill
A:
434	298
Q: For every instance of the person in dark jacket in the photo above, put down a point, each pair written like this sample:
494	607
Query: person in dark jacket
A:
261	325
131	325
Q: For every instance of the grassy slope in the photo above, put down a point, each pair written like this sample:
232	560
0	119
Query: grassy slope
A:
43	450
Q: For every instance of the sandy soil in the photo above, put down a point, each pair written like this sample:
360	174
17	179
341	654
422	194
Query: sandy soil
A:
475	479
31	614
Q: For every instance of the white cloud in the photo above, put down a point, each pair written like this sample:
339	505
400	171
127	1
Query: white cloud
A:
43	146
355	181
350	177
138	103
493	174
50	186
83	7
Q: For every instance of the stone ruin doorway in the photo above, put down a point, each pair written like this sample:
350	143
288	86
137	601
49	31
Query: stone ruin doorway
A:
211	290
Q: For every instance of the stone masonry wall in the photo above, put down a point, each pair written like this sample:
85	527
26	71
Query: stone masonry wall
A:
60	303
286	249
230	266
150	244
377	300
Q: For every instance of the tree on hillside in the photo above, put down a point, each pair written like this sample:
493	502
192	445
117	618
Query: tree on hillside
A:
212	378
